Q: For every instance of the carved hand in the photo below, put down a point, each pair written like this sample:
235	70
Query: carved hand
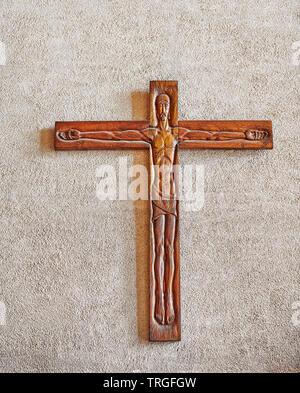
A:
255	135
69	135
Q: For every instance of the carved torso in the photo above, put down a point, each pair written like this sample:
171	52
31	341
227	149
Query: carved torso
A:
163	146
163	186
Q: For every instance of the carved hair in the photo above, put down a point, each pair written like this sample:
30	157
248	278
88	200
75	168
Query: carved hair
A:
166	98
160	96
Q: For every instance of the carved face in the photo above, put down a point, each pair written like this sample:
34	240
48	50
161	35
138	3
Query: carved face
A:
162	106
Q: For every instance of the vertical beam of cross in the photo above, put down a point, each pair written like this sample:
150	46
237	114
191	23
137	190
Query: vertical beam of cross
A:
163	136
165	313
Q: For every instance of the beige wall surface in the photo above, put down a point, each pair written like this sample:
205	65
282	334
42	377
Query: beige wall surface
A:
74	270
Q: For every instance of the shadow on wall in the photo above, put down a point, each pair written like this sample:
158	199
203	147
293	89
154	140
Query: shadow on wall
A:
140	105
47	140
140	111
142	250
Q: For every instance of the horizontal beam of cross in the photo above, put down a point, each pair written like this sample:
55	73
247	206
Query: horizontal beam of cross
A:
88	131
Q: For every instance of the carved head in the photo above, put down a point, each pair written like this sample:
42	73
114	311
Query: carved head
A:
162	104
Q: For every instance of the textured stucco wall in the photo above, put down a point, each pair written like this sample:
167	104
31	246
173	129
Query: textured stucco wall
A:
73	274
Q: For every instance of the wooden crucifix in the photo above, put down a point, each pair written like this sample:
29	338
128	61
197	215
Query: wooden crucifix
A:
163	135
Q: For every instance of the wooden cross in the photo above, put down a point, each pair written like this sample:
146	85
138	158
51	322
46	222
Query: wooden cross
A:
163	135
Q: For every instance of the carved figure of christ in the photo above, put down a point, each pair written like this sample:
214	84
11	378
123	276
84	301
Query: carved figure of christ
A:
163	136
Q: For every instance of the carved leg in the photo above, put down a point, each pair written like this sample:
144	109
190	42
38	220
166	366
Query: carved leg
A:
159	225
170	267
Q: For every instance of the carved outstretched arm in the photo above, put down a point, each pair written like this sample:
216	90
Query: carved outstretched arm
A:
103	135
221	134
196	135
121	136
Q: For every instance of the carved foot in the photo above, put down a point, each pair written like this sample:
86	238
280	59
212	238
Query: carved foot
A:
170	314
255	135
69	135
160	309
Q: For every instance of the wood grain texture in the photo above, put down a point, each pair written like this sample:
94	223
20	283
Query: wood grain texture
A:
163	135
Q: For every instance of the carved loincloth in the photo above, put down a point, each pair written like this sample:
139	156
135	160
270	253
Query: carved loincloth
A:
162	205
